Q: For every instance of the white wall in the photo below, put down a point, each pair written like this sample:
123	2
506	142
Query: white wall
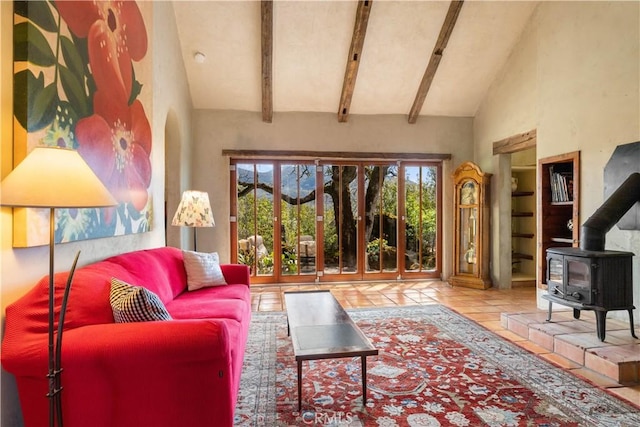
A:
217	130
575	77
21	268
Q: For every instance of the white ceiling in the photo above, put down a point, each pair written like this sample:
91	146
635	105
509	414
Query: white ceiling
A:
311	41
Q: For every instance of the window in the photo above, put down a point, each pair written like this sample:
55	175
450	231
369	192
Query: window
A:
346	220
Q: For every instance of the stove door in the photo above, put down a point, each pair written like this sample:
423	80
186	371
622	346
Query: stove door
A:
579	278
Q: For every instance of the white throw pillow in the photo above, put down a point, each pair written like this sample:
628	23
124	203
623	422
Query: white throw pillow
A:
135	303
203	270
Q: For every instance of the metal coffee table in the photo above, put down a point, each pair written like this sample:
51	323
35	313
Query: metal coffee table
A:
321	329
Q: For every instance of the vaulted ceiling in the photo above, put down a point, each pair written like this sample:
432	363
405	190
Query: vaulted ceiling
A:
312	59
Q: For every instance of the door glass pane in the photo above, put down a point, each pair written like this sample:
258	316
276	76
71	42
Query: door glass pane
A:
340	219
298	231
255	217
265	215
381	186
246	214
420	218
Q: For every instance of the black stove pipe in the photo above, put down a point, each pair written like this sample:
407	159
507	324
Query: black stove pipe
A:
606	216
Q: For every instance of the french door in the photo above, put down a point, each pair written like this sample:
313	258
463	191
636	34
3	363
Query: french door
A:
296	221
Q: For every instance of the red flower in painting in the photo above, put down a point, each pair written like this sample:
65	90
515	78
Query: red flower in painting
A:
116	34
116	143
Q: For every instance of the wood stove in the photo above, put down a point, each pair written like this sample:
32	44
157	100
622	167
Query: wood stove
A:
590	277
591	280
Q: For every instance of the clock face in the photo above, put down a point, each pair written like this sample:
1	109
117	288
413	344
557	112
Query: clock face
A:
469	193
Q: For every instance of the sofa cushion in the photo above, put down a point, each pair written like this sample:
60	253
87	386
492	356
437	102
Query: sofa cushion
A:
203	270
223	302
161	270
135	303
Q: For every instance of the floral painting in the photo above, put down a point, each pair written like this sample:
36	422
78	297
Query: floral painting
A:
82	78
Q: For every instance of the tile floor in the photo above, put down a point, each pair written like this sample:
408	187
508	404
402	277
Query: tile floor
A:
491	308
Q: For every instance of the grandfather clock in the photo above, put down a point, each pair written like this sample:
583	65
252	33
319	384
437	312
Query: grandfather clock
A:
471	244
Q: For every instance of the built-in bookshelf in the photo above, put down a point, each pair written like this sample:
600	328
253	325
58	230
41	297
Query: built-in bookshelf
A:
523	226
558	204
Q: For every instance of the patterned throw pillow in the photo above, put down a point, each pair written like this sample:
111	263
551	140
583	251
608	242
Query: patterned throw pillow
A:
203	270
135	303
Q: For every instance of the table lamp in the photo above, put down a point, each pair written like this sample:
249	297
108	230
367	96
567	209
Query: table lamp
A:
194	211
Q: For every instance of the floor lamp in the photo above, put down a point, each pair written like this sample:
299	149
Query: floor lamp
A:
52	177
194	211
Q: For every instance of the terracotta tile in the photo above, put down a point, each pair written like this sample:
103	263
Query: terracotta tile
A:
266	306
516	325
560	361
541	338
621	336
560	327
622	353
492	325
630	394
527	318
622	363
483	317
510	335
500	301
504	320
465	308
596	378
570	350
534	348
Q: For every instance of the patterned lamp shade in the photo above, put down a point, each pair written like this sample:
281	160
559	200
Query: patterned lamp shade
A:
194	210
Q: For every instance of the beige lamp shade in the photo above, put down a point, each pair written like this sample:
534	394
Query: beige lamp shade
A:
52	177
194	210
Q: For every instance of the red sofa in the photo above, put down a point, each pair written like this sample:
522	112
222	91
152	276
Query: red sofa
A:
181	372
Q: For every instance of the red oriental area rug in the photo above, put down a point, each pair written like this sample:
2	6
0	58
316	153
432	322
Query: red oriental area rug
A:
435	368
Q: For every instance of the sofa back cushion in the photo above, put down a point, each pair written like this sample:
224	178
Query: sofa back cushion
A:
28	317
161	270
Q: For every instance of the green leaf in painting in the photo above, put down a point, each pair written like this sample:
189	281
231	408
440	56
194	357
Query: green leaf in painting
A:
136	87
74	90
42	110
72	58
31	45
37	12
20	44
81	45
23	82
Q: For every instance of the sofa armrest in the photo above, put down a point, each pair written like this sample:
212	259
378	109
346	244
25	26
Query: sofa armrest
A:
236	273
155	369
177	341
125	343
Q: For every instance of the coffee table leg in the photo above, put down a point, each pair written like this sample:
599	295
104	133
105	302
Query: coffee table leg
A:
364	380
299	385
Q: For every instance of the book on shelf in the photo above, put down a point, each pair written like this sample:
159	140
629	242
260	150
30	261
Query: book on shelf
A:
561	184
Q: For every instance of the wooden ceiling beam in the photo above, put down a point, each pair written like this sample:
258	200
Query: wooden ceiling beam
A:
267	60
436	56
519	142
353	61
